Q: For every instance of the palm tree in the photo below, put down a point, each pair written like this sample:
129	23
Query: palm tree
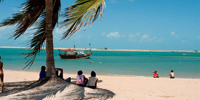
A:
82	13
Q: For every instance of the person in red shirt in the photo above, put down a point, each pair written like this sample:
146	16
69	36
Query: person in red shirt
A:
155	74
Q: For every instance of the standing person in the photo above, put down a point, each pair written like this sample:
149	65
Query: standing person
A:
1	75
155	74
42	72
81	79
92	82
172	75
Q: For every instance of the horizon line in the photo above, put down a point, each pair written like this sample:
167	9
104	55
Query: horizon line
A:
103	49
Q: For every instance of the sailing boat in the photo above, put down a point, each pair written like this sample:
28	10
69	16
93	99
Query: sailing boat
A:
74	53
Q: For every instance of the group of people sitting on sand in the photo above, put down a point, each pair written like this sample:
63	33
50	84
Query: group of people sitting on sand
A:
81	80
171	75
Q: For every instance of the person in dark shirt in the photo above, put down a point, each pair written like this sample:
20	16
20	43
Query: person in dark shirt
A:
42	72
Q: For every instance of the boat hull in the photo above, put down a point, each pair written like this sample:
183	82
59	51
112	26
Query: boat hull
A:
63	56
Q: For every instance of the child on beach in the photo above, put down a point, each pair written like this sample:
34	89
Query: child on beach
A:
1	75
92	82
172	75
155	74
81	79
42	72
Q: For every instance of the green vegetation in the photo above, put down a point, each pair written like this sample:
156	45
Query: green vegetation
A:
195	50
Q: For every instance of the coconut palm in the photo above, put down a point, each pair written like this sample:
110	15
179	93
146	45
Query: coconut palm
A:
45	13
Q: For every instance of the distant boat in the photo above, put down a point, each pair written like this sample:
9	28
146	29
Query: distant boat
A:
74	54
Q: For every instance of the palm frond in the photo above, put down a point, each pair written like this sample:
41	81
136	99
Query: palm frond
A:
82	13
36	43
12	20
56	10
39	36
27	16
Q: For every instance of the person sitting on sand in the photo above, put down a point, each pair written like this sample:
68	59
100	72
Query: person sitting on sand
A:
1	75
172	75
61	72
42	72
92	82
81	79
155	74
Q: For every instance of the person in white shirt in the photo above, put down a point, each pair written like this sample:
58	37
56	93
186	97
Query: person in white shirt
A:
171	75
92	82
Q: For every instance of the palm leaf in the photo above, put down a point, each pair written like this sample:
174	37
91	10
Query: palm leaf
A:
36	42
13	20
82	13
39	36
30	12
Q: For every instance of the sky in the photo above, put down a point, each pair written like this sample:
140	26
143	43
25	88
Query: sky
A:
125	24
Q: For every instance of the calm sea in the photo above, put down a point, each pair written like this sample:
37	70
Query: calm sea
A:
185	65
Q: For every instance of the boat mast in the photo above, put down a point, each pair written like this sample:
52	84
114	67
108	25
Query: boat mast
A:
90	47
74	46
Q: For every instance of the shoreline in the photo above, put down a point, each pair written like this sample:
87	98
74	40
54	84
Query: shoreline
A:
112	75
96	49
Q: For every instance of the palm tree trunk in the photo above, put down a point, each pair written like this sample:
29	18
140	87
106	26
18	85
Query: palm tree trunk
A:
50	63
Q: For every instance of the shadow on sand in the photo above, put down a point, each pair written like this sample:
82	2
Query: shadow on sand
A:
39	90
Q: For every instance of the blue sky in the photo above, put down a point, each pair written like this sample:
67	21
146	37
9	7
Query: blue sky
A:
126	24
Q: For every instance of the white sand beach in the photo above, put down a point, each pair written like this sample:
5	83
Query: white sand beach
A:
123	87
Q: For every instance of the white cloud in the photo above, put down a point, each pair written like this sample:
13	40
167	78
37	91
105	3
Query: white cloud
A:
6	31
174	34
152	39
2	28
198	37
59	31
113	35
145	36
134	35
131	36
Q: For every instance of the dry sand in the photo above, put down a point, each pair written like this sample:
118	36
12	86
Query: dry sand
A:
125	87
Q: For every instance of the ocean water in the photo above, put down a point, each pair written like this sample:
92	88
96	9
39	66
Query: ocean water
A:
185	65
